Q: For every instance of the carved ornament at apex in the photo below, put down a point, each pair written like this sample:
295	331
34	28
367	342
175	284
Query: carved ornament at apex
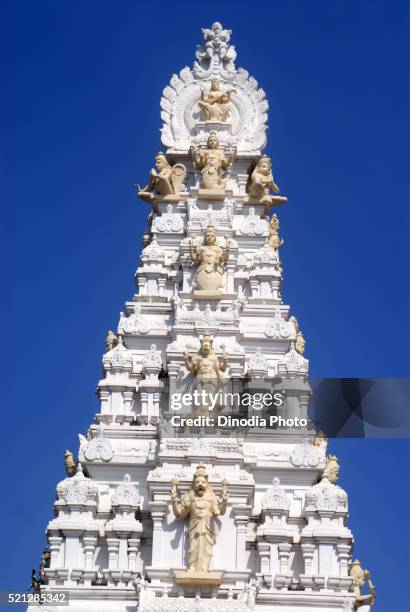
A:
165	181
242	105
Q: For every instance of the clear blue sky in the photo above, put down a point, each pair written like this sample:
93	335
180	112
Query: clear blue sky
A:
82	82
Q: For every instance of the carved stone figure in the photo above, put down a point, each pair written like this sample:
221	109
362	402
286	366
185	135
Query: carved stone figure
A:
70	463
360	577
111	340
300	342
207	369
212	164
274	241
200	506
211	260
165	181
332	469
261	182
214	102
321	440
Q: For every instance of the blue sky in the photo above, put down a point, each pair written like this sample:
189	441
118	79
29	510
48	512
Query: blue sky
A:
81	108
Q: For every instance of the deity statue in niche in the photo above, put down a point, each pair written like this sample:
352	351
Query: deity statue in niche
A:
260	183
207	369
200	506
211	260
215	103
165	181
212	164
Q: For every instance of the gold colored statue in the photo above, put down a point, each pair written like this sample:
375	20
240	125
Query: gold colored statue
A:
321	440
261	182
214	102
211	260
111	340
360	577
300	342
207	369
274	241
212	164
165	181
200	506
332	469
70	463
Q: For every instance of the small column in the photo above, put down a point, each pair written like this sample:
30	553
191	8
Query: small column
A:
105	398
127	396
284	549
113	545
308	550
133	545
241	513
89	542
55	544
158	511
343	552
264	554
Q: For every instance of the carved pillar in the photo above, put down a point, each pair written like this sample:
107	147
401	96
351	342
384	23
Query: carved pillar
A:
158	510
343	552
127	396
241	513
133	544
308	550
113	545
89	543
105	399
55	544
254	283
264	554
284	549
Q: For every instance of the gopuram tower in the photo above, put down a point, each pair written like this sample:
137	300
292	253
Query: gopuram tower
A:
168	506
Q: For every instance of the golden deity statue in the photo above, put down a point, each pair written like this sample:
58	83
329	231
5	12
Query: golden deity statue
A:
212	164
211	260
360	577
200	506
261	182
207	369
274	241
165	181
332	469
214	102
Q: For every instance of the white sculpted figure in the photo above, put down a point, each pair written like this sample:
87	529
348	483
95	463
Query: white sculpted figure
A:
200	506
165	180
212	164
211	260
207	369
214	102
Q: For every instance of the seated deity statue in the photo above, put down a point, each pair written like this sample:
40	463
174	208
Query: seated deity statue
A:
200	507
215	103
360	577
261	182
212	164
211	260
207	369
165	180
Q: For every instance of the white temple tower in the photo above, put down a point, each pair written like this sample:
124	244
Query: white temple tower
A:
208	311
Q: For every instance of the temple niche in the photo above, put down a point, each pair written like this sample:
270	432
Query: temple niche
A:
149	519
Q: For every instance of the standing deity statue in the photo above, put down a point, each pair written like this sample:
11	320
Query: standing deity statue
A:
274	241
207	369
200	506
212	164
360	577
214	102
300	342
111	340
211	260
261	182
70	463
332	469
165	180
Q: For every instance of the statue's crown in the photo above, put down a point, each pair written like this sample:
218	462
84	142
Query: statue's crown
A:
201	471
